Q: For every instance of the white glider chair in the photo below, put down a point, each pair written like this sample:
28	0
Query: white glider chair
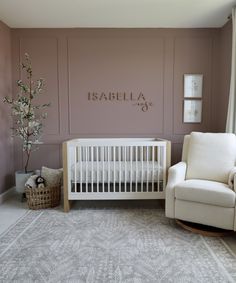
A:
201	188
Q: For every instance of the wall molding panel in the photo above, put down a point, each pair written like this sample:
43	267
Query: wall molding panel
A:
103	66
153	61
44	55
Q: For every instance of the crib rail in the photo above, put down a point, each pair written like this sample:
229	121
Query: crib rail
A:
116	168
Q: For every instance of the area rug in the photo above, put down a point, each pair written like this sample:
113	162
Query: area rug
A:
110	245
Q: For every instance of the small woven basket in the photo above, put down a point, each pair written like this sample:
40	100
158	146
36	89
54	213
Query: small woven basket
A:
43	197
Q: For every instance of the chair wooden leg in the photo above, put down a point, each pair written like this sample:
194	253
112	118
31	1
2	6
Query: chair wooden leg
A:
204	230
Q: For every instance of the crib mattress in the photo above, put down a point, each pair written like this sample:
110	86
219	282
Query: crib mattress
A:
116	172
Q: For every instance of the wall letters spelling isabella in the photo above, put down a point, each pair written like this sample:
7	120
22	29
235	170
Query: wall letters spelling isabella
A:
138	99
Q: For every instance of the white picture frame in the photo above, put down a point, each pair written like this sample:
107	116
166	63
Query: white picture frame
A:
192	111
193	84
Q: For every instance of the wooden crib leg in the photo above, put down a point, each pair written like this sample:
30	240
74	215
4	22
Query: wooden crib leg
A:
67	203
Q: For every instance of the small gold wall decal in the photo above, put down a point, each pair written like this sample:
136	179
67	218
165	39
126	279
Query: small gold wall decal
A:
138	98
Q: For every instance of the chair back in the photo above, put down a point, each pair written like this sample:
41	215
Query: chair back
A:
209	156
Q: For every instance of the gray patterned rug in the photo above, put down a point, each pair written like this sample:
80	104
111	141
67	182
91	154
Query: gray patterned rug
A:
110	245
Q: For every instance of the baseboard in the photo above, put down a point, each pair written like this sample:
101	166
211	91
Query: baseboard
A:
7	194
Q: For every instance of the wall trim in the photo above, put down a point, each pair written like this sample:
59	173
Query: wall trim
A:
6	195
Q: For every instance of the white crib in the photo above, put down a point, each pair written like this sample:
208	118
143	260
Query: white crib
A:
125	168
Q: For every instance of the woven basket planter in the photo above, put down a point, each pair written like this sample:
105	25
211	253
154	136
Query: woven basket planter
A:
43	197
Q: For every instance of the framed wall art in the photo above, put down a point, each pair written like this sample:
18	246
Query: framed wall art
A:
193	85
192	111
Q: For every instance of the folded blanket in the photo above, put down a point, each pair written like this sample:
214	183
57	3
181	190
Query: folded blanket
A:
231	178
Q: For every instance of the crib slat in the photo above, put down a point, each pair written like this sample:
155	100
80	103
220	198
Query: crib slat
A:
142	169
125	167
119	168
147	171
136	163
97	158
131	166
158	168
114	168
81	169
86	169
75	173
108	168
103	157
153	157
92	169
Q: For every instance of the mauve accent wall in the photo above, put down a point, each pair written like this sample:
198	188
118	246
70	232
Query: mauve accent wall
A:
151	61
6	141
225	72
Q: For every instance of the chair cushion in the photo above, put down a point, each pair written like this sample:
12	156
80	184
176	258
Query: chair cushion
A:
203	191
211	156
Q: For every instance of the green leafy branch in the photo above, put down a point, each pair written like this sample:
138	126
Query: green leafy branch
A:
27	115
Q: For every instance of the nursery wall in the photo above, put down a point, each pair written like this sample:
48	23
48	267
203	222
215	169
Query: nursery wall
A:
86	68
6	142
225	71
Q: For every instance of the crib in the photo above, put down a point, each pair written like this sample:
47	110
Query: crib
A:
125	168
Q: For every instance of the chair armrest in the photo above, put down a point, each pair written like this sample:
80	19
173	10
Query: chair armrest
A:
231	178
176	174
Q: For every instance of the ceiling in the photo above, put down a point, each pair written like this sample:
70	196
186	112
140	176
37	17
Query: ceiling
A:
115	13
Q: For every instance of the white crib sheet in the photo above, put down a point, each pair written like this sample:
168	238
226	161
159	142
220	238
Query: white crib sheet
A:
100	172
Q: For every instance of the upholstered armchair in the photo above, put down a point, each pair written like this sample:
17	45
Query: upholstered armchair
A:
201	188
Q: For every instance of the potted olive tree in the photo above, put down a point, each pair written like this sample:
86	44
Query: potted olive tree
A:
27	118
